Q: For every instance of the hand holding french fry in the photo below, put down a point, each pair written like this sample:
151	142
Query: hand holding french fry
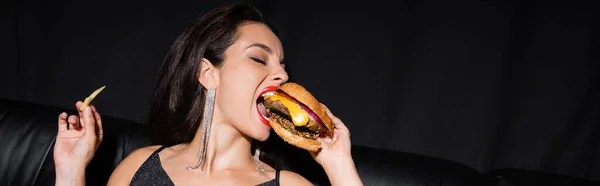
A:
77	139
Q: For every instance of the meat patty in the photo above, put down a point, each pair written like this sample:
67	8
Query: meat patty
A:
289	126
277	107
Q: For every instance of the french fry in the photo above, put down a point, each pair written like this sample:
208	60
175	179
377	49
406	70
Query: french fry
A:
89	99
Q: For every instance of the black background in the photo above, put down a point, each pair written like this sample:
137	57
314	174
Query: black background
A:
491	84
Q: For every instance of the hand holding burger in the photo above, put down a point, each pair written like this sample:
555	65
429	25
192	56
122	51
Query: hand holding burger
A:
300	120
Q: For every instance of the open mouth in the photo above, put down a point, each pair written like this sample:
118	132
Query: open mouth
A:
260	106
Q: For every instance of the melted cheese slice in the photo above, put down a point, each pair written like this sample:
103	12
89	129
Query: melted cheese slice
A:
299	116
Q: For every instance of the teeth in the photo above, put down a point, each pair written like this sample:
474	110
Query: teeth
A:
268	94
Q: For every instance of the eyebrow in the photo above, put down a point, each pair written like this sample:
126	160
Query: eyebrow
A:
260	45
264	47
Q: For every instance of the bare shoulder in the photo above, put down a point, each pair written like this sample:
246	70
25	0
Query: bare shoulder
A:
292	178
127	168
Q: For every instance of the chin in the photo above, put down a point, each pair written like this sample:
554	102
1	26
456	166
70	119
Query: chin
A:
262	138
261	135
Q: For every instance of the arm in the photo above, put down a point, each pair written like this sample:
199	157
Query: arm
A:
70	176
342	172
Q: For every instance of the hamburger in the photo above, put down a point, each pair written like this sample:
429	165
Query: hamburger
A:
296	116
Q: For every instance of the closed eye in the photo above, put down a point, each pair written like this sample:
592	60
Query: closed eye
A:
258	60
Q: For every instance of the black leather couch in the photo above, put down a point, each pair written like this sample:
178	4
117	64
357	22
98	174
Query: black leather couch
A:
28	130
519	177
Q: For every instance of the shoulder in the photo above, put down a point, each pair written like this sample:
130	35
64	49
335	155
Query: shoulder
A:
128	167
138	156
292	178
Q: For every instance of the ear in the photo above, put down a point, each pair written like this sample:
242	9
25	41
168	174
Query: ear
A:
208	75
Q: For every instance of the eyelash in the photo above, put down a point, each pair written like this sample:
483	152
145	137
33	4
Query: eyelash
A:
258	60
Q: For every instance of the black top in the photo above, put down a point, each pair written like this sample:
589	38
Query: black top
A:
152	173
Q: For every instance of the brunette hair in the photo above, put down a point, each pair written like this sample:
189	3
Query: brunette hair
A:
178	99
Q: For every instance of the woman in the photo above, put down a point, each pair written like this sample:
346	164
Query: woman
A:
219	66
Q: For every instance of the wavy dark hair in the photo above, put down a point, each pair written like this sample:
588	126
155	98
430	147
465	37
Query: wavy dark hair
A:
178	98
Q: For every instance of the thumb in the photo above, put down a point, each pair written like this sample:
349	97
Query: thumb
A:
324	143
324	146
90	123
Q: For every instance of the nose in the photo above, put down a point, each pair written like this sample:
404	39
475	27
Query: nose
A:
279	75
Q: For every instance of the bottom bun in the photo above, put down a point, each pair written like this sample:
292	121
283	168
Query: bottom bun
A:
291	138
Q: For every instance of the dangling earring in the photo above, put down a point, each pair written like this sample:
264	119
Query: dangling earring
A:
209	105
259	165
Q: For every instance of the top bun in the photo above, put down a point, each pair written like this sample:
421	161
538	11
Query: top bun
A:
303	96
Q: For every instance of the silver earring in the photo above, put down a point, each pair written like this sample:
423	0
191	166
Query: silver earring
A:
259	165
209	105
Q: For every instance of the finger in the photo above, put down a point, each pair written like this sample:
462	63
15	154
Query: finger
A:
90	124
324	106
335	120
326	139
74	122
99	128
328	111
328	133
62	122
321	140
78	107
325	143
342	133
314	154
